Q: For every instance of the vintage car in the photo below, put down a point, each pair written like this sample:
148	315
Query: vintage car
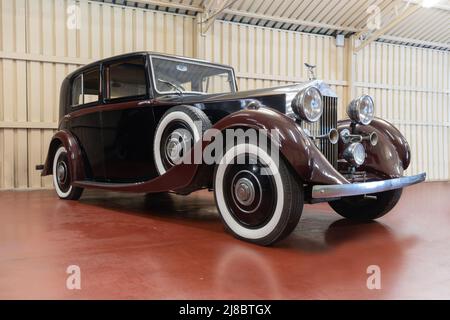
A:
132	123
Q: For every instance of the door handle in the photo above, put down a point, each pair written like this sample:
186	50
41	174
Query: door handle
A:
145	103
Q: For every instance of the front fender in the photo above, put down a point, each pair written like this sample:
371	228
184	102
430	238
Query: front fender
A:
302	155
65	138
392	154
396	138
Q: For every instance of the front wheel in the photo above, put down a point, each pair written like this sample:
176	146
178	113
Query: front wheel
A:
62	179
258	201
365	208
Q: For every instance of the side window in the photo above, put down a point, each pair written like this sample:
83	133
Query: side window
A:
86	88
91	86
77	91
217	83
126	79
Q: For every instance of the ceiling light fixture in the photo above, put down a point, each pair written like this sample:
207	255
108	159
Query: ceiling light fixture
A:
429	3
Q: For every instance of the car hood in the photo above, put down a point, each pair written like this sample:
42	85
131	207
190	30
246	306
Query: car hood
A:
289	90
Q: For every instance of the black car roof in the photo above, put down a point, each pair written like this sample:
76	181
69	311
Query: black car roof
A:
139	53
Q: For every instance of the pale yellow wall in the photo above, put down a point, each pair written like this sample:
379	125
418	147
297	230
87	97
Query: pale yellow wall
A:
410	86
265	57
37	51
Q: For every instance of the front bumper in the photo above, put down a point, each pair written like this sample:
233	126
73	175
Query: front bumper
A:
355	189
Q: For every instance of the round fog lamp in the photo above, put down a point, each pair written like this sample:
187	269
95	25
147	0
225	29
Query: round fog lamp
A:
355	154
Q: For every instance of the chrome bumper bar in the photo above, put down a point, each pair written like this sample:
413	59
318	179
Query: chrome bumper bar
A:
354	189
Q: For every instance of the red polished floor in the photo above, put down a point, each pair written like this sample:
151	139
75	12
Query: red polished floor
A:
130	246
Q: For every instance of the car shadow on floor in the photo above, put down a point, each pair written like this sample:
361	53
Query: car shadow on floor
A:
196	210
317	234
318	231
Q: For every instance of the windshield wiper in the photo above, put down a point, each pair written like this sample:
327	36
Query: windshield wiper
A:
180	92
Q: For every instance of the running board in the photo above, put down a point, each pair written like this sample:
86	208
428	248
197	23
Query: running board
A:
177	178
103	185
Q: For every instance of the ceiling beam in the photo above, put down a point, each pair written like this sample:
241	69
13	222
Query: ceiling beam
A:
417	42
207	4
210	13
288	20
437	5
378	33
390	9
171	5
359	32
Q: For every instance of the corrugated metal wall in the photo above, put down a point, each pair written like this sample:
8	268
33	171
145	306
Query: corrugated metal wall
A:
265	57
37	50
410	85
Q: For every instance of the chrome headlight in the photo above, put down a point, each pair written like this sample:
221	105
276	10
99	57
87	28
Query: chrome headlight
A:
307	104
361	110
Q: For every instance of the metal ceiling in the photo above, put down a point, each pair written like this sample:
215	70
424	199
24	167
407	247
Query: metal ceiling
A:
427	27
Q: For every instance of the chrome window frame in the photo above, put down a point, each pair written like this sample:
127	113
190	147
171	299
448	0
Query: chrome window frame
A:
81	75
191	61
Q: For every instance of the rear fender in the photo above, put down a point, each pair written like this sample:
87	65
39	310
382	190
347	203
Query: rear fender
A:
66	139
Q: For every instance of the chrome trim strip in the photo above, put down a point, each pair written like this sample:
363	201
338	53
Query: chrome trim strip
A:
354	189
322	127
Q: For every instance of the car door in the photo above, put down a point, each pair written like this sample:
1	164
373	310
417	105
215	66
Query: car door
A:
128	122
83	119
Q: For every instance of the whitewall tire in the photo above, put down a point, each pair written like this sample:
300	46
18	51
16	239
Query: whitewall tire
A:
62	179
259	201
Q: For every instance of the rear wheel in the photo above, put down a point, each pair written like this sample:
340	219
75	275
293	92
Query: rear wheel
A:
258	201
62	179
368	207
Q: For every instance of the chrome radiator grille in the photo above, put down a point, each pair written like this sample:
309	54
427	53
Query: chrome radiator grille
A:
327	121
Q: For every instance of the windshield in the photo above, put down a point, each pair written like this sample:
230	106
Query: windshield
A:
180	76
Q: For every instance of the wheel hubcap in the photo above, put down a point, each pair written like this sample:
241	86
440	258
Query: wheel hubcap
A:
244	191
177	145
173	149
61	172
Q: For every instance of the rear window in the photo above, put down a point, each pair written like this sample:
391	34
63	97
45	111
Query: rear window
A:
86	87
126	79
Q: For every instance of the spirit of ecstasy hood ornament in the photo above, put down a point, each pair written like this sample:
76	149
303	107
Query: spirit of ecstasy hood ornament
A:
311	73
